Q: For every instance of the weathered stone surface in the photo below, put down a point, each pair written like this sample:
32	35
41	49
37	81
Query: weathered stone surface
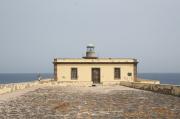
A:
102	102
160	88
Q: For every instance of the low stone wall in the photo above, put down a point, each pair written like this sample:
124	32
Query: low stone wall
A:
66	83
160	88
107	83
7	88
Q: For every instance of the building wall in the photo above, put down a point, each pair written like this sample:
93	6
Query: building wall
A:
84	72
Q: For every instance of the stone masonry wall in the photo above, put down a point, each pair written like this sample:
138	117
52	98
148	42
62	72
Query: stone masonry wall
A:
7	88
160	88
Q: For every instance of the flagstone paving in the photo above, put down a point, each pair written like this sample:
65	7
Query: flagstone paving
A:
102	102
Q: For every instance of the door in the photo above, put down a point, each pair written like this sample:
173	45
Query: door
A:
96	75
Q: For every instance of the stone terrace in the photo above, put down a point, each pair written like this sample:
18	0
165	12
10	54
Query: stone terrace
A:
91	102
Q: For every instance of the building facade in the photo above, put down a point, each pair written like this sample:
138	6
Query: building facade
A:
93	70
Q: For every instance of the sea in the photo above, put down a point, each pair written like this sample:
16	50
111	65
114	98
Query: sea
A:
22	77
164	78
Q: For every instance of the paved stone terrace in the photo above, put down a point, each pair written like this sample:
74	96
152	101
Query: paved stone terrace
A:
91	103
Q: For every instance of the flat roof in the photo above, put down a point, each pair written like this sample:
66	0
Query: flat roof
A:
95	61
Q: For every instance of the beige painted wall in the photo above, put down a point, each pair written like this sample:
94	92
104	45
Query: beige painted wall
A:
84	72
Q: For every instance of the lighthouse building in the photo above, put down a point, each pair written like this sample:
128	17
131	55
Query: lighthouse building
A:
91	69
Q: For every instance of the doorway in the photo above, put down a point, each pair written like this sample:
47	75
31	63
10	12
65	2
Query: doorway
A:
96	75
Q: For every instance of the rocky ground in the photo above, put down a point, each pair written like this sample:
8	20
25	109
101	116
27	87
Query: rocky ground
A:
91	103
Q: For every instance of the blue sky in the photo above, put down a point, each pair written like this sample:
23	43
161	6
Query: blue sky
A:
34	32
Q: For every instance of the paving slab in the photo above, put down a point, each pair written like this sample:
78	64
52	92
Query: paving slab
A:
102	102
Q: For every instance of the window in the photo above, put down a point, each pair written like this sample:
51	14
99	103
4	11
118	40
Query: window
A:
117	73
74	73
129	74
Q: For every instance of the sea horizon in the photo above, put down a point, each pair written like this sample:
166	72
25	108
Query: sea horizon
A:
164	78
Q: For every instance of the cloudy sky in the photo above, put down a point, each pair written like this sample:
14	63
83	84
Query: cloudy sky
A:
33	32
